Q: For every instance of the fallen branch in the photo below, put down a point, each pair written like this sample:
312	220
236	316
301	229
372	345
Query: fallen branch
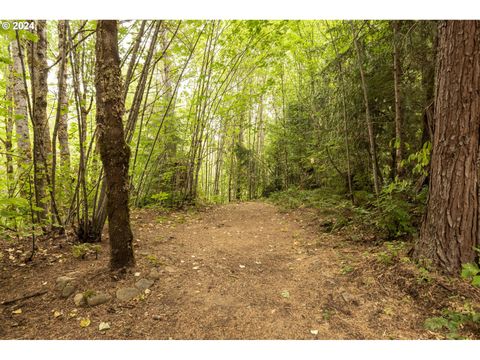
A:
38	293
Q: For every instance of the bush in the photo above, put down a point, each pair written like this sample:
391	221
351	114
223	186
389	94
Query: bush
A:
393	214
454	321
82	250
16	217
471	272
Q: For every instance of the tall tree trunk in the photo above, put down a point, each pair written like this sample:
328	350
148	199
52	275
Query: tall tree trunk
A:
371	132
60	129
397	77
20	107
62	96
133	61
451	225
344	114
42	147
114	152
170	131
85	233
21	118
9	131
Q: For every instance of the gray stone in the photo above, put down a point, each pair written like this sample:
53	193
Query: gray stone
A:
80	300
68	290
62	281
98	299
126	294
143	284
153	275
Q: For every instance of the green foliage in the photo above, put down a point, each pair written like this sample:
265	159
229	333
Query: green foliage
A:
346	269
161	197
394	213
454	322
423	276
82	250
15	217
153	260
89	293
471	272
392	252
420	159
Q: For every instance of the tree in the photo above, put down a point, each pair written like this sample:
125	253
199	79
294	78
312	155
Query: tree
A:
9	130
62	111
371	131
114	152
21	113
397	75
450	230
42	147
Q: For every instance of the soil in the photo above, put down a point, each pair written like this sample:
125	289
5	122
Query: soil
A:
237	271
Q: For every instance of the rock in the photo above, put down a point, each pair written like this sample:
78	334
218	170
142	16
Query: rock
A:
68	290
63	281
103	326
126	294
349	298
153	275
169	269
157	317
80	300
143	284
98	299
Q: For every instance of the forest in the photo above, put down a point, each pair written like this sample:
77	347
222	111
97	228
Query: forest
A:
239	179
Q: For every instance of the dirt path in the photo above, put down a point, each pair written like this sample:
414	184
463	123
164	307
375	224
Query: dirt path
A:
267	275
239	271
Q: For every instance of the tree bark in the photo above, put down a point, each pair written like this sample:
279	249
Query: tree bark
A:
42	147
451	225
170	131
20	109
9	131
62	96
397	77
114	152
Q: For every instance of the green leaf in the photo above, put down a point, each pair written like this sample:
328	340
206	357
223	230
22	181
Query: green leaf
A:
435	323
469	270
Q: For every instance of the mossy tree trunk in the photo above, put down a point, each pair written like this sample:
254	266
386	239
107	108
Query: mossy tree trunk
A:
114	152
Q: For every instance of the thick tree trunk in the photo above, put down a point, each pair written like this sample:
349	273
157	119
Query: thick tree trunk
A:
451	226
114	152
397	77
42	147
